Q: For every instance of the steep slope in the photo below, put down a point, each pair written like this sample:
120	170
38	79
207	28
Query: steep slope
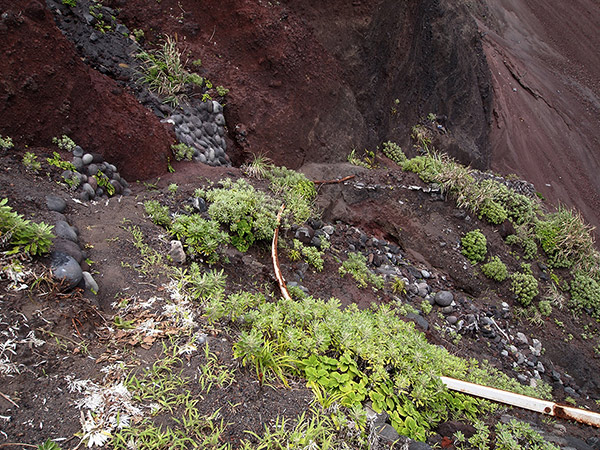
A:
546	69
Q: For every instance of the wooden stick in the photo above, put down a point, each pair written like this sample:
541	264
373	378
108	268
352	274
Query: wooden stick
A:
8	399
341	180
280	279
8	444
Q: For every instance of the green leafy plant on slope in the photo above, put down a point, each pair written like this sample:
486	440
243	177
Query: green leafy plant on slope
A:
474	246
31	163
23	235
164	72
356	266
200	236
6	142
495	269
524	286
158	213
250	215
342	351
585	294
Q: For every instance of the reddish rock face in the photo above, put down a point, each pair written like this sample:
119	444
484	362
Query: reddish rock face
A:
545	67
46	91
310	81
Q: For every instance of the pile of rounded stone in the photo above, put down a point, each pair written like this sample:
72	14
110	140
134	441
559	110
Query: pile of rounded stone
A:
68	259
202	127
87	169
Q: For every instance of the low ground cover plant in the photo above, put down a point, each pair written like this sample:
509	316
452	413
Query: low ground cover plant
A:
351	355
495	269
22	235
474	246
356	266
524	285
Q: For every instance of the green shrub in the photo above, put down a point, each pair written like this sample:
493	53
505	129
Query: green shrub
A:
367	161
585	294
394	152
298	192
545	308
6	142
251	215
524	286
493	211
356	266
182	151
23	235
201	285
427	167
31	163
158	213
495	269
474	246
565	238
200	236
64	143
164	72
313	257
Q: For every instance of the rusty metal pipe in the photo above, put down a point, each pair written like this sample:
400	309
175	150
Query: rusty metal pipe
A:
523	401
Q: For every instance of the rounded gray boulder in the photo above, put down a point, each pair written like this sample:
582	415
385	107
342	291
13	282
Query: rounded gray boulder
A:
55	203
444	298
66	269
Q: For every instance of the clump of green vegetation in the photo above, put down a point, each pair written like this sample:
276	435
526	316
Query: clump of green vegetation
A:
495	269
199	284
394	152
516	435
341	352
311	255
259	167
426	307
64	143
221	91
31	163
367	160
23	235
6	142
297	191
158	213
566	239
182	151
474	246
200	236
428	167
399	286
585	294
545	308
164	72
524	285
57	161
104	182
251	215
356	266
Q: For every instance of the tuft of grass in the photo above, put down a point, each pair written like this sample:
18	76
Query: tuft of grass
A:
164	72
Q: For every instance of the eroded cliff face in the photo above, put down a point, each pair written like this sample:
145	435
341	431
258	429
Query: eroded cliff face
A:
545	65
517	84
46	90
406	60
310	81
